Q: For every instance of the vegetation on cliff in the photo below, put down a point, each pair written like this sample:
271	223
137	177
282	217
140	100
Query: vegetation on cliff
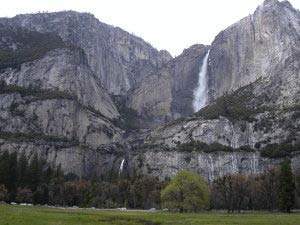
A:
19	46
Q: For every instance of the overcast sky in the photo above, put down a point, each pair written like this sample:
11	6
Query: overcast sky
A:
166	24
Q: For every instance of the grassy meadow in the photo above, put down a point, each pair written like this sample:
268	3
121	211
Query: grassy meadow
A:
33	215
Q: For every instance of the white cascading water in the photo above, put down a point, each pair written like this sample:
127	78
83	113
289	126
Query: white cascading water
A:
121	166
212	169
200	93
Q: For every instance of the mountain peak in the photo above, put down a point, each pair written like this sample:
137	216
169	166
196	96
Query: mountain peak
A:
267	2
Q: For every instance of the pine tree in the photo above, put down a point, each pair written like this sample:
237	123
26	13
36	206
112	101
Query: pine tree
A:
4	168
23	171
13	173
286	187
34	172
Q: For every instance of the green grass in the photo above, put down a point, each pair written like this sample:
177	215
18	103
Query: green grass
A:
23	215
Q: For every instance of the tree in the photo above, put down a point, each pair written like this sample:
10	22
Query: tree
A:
186	192
22	170
24	195
240	190
41	195
269	189
3	193
297	182
13	173
224	185
34	172
286	187
4	168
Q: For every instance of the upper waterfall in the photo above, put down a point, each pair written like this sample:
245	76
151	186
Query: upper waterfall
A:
200	93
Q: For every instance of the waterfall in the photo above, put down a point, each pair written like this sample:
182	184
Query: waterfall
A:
211	170
200	93
121	166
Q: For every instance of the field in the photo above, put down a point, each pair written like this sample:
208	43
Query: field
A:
29	215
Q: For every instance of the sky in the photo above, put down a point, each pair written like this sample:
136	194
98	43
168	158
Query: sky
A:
172	25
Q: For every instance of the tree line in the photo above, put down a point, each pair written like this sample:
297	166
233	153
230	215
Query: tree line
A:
34	181
275	189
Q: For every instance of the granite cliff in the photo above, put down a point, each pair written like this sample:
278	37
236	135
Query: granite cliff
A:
72	87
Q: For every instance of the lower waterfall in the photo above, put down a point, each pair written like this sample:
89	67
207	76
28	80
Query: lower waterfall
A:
121	166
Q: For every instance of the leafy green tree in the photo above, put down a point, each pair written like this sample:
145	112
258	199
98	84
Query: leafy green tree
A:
186	192
286	187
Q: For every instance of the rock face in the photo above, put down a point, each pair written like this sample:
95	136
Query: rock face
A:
211	165
60	71
264	45
66	71
54	105
167	94
261	50
117	58
227	132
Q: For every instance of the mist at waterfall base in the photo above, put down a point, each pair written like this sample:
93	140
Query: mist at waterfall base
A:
200	93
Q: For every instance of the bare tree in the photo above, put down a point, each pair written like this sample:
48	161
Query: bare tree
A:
240	187
224	186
